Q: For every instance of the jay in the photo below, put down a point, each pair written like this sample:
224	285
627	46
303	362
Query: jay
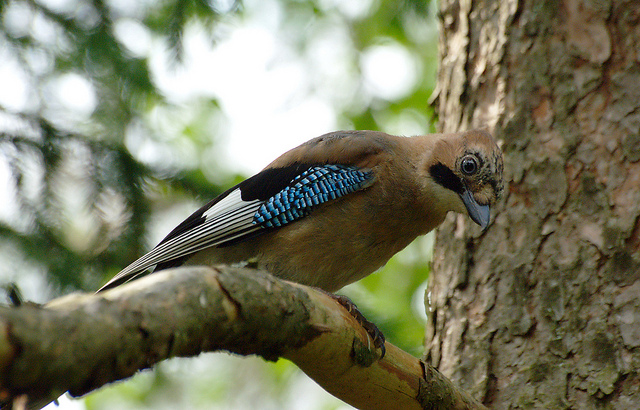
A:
338	207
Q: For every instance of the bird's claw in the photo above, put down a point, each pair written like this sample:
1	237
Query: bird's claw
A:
370	327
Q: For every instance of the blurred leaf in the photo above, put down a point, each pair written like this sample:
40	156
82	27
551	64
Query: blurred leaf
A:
88	185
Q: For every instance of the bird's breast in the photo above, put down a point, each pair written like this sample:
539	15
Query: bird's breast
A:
337	244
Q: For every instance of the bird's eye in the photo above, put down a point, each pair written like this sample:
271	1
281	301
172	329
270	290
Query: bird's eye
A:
469	165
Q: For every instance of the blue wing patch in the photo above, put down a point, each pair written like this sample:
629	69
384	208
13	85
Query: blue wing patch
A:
315	186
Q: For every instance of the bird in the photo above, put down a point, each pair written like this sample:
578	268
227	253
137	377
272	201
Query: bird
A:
336	208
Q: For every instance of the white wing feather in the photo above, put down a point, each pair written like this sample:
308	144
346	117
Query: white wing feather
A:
226	220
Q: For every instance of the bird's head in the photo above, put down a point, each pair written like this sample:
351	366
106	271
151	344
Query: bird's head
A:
469	164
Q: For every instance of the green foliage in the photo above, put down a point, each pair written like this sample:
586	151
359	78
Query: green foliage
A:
46	137
42	139
89	181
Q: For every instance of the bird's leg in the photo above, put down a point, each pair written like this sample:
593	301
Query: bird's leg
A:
370	327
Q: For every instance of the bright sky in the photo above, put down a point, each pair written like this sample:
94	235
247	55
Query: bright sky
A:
272	99
263	88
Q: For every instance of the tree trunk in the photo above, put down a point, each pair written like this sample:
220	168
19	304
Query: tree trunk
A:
543	309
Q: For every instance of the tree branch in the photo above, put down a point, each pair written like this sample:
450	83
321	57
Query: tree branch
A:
80	342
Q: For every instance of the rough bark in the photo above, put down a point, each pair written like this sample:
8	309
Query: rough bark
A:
543	309
83	341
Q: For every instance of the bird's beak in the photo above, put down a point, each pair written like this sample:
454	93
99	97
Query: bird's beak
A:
478	213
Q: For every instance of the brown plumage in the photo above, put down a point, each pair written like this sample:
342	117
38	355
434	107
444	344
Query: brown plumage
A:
408	187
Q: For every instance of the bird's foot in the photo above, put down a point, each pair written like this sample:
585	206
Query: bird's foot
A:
370	327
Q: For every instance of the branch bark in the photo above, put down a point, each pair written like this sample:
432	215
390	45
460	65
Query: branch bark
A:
81	342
